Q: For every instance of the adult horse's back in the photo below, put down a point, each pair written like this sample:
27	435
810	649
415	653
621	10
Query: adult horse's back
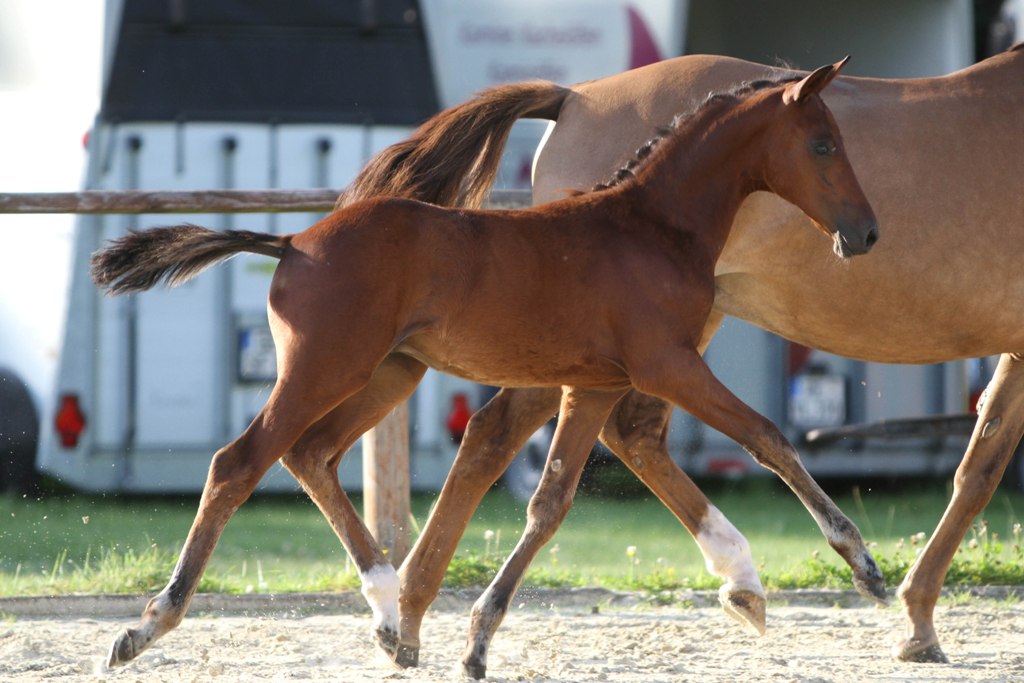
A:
942	160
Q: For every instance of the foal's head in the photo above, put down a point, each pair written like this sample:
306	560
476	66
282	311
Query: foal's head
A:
806	164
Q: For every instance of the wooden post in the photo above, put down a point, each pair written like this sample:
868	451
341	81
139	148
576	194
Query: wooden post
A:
386	483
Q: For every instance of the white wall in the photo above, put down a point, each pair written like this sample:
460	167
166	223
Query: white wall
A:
906	38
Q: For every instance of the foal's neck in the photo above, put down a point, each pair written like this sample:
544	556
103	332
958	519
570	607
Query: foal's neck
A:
699	176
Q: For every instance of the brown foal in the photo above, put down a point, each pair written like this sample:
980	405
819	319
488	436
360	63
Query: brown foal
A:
599	294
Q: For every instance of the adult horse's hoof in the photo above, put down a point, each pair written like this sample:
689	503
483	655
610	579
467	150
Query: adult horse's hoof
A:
746	607
913	650
387	640
408	655
474	670
123	649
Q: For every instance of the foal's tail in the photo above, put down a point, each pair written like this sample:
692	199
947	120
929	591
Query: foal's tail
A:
138	260
451	160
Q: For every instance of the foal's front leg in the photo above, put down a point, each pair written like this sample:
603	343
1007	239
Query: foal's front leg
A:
696	390
636	432
579	421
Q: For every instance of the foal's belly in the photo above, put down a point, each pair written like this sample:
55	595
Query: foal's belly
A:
516	362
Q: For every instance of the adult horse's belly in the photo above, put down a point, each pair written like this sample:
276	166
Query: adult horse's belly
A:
943	282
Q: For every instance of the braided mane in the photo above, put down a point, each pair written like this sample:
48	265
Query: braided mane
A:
627	171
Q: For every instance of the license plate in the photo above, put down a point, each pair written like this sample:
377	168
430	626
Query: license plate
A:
817	401
257	359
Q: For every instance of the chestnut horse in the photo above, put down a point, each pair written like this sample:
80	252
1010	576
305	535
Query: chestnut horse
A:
365	299
942	160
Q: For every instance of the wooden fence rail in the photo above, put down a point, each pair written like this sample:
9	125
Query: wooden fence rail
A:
386	446
197	201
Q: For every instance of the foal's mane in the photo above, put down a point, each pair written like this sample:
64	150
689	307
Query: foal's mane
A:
735	94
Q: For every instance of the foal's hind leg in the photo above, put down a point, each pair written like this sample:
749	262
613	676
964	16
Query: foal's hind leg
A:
695	389
580	418
996	434
494	435
234	473
314	459
636	433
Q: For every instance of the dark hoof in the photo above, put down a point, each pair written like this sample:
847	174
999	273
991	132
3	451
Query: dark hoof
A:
407	656
123	649
872	584
915	651
746	607
387	640
474	670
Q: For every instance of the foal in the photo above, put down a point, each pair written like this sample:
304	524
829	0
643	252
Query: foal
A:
364	300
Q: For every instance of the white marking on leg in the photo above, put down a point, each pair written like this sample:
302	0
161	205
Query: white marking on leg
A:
380	588
727	553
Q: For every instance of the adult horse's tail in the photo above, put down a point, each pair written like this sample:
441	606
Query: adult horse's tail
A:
138	260
451	159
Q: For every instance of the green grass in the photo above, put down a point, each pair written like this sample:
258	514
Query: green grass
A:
94	544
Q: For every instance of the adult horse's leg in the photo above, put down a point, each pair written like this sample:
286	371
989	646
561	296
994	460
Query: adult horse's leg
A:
695	389
493	437
580	418
314	459
996	434
636	433
234	472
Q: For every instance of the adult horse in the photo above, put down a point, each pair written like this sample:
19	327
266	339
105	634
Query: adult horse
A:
942	161
365	299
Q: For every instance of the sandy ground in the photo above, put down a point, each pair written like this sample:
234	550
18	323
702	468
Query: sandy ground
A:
984	639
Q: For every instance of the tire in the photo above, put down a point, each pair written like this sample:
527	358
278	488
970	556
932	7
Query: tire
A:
19	436
524	473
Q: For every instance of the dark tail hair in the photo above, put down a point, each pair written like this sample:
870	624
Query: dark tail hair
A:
451	160
138	260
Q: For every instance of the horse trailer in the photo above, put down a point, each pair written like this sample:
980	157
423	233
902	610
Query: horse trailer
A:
212	95
295	95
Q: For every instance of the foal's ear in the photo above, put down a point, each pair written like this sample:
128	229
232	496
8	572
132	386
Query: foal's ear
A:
815	82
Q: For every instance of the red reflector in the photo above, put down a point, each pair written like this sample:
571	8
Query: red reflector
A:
458	417
974	400
727	468
70	421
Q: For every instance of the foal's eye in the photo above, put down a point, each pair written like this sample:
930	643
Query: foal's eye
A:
824	148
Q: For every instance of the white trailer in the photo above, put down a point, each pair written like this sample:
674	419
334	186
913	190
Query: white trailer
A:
216	95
